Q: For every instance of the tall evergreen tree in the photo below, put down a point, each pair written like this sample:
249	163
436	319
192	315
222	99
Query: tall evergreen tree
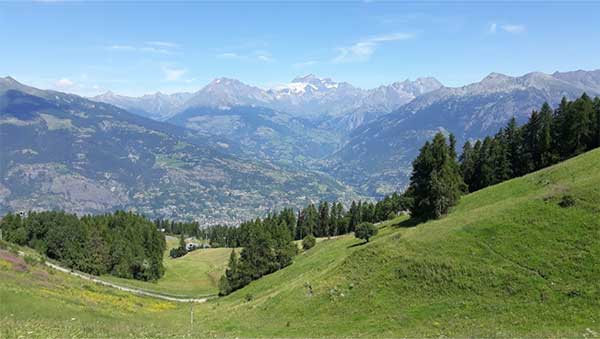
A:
435	183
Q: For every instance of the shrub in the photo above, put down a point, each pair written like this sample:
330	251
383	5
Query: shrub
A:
365	231
31	260
567	201
309	242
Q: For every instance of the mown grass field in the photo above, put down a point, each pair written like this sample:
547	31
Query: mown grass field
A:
194	275
509	261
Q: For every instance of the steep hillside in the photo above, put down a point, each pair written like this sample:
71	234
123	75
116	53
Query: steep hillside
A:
61	151
508	261
519	259
385	147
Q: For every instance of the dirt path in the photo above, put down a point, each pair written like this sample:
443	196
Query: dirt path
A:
119	287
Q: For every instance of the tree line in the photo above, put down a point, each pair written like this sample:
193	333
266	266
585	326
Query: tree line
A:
320	220
549	136
123	244
267	244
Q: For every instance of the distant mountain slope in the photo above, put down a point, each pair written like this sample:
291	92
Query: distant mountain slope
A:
62	151
262	132
378	155
156	106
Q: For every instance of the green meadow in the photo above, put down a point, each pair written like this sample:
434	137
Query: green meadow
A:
519	259
194	275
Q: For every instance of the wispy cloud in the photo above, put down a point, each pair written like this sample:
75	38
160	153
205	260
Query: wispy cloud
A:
257	55
363	50
173	73
64	83
162	44
228	55
156	47
303	64
508	28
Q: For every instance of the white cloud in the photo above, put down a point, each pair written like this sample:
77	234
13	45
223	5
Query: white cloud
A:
64	83
121	48
162	44
173	73
263	56
258	55
305	63
510	28
158	47
229	55
364	49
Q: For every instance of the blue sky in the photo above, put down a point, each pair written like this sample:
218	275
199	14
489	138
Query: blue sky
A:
136	48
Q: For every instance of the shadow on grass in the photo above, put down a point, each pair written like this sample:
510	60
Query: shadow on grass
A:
358	244
412	222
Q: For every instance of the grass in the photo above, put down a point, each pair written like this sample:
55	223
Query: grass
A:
194	275
509	261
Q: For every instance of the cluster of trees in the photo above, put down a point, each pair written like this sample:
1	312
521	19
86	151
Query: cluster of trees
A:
177	227
436	182
550	136
267	244
179	251
320	220
327	219
122	244
267	247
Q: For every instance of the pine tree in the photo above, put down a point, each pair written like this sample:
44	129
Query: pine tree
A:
581	132
596	138
354	217
232	279
435	183
547	156
323	224
512	135
531	156
467	164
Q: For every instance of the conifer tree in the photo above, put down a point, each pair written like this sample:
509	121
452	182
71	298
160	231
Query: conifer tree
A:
435	183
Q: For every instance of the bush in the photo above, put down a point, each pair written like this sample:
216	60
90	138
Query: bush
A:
31	260
365	231
309	242
567	201
177	252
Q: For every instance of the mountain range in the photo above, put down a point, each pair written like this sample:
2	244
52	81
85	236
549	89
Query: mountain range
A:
377	158
232	151
62	151
307	97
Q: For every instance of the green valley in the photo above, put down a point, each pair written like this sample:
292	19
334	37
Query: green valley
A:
519	258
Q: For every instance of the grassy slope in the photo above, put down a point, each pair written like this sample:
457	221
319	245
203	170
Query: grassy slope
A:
194	275
508	261
38	302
